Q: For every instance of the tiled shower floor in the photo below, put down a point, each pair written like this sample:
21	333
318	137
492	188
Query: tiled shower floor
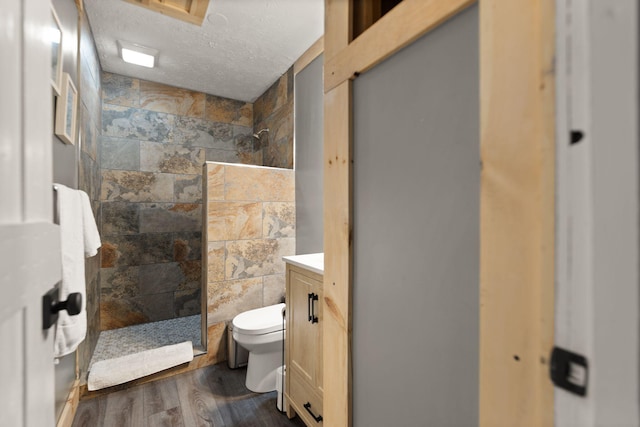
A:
146	336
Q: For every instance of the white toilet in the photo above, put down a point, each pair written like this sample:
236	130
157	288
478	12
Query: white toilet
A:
261	332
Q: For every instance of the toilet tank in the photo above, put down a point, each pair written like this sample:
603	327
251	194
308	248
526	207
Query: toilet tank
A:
237	356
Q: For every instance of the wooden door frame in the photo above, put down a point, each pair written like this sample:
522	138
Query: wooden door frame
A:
517	196
308	56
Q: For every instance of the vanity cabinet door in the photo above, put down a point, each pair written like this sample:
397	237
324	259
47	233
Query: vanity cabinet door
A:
304	332
304	345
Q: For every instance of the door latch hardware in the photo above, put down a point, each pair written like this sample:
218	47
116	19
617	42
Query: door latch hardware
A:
569	371
576	136
51	306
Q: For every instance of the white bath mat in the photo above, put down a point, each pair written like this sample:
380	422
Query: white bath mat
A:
110	372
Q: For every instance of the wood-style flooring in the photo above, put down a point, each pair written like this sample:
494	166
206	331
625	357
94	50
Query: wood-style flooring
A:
210	396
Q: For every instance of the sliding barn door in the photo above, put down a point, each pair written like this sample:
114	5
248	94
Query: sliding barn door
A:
416	232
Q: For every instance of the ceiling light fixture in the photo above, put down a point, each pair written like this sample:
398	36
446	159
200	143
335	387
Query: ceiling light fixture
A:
136	54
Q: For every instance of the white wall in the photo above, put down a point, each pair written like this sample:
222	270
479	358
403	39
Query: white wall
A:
597	295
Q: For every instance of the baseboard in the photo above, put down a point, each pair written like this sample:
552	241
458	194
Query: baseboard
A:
70	406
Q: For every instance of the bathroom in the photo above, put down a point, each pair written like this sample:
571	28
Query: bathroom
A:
139	155
479	218
142	148
395	185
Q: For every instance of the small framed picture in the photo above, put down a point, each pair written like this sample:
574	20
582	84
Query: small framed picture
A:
66	111
55	38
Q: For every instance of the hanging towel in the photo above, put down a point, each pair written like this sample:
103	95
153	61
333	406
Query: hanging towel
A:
90	231
78	238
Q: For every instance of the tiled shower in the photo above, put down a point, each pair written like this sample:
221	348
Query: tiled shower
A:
153	143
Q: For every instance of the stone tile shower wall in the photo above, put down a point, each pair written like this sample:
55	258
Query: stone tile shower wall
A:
155	139
250	227
89	117
274	110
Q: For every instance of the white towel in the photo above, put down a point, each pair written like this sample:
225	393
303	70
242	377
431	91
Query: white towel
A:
90	230
79	238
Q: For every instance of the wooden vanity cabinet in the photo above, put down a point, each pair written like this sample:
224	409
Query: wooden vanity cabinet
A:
304	345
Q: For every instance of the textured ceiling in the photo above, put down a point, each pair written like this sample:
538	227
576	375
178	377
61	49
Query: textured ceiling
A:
242	47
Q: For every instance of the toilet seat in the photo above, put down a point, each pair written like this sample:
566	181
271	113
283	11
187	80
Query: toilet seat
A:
259	321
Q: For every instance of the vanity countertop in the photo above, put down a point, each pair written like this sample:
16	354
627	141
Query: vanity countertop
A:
312	262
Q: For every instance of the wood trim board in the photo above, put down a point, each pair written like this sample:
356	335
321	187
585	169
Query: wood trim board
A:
310	54
517	213
192	12
70	406
338	257
404	24
337	26
337	218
